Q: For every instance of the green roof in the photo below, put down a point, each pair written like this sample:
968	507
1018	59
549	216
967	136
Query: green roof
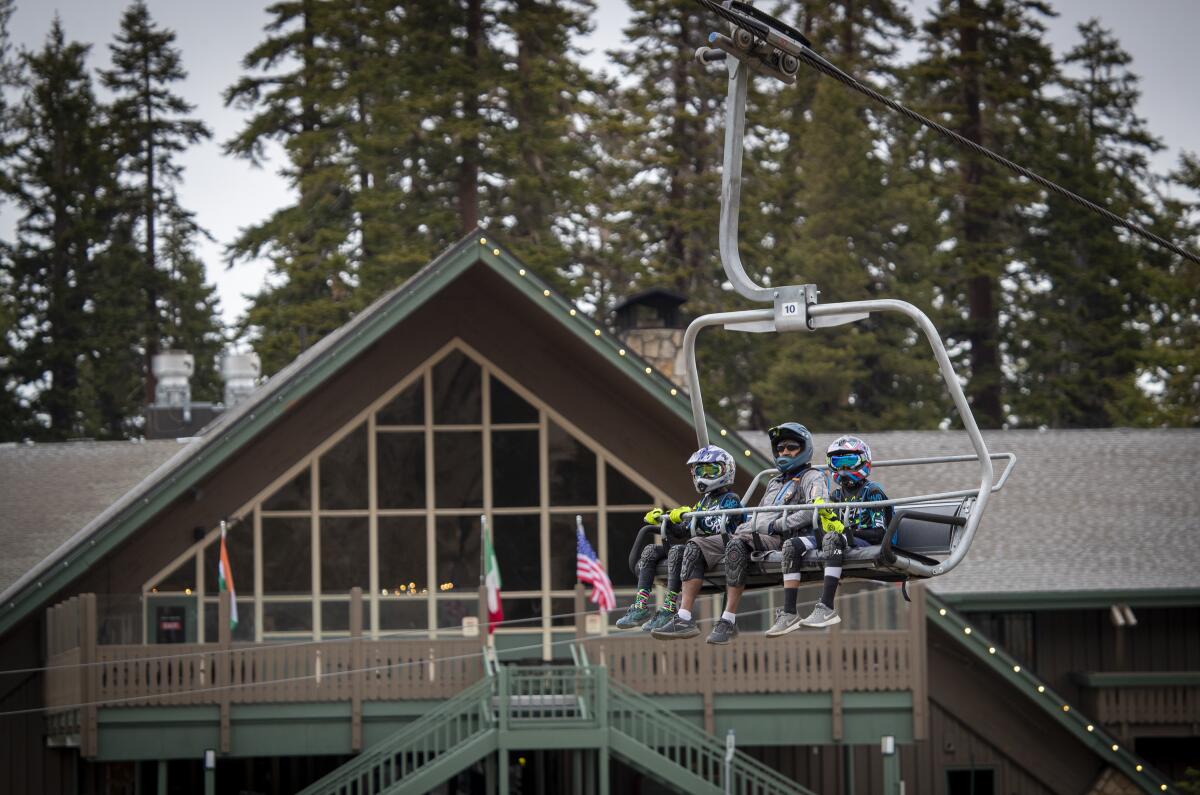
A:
239	426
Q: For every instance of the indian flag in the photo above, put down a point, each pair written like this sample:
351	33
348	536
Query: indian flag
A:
225	580
491	579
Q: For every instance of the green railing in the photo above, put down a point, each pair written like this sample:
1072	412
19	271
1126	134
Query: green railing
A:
452	735
691	748
517	705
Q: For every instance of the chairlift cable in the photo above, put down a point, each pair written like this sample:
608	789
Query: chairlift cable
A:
803	51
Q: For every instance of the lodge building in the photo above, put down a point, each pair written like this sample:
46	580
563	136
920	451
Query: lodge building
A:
1061	657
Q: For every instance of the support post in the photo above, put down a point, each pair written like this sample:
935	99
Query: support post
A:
161	788
847	770
577	771
223	668
502	769
837	664
357	662
88	723
919	661
489	774
210	772
891	765
602	716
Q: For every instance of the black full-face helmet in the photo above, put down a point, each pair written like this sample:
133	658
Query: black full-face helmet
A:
784	437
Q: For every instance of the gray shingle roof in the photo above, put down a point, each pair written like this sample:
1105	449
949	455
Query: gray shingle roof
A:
1084	509
49	491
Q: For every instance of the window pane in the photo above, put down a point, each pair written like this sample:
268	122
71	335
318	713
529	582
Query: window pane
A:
345	555
344	472
407	408
508	406
287	556
244	631
457	391
450	612
458	551
458	462
522	614
335	615
562	548
287	617
295	495
239	542
403	613
572	470
515	469
620	490
183	577
622	529
562	611
402	553
401	469
519	552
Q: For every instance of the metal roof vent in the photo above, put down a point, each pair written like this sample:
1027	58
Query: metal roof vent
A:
240	372
173	372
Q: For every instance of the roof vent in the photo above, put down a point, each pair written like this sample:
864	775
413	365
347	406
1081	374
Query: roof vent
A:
173	372
241	372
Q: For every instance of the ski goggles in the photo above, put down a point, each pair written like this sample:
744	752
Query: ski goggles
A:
846	461
706	470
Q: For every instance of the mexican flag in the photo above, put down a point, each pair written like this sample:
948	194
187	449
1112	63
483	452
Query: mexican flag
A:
225	580
491	579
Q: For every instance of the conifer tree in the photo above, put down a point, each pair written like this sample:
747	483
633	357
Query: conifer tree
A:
68	269
983	71
152	127
1082	296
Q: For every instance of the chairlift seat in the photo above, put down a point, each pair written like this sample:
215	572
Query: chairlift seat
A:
922	532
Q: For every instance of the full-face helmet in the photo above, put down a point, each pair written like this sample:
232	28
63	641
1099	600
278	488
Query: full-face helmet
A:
711	468
849	461
793	446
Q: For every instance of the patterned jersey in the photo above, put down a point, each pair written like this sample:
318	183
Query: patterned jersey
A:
717	500
869	524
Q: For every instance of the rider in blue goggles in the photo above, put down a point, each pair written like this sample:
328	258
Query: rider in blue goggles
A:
846	461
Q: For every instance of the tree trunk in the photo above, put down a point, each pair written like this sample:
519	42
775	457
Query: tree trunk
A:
468	176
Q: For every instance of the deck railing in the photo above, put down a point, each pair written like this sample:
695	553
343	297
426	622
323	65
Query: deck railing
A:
84	675
1129	703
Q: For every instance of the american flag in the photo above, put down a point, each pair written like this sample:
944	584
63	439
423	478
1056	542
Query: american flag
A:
589	571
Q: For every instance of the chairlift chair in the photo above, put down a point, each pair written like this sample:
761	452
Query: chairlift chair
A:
930	533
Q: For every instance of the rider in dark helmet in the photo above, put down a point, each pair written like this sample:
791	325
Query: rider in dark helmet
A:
796	483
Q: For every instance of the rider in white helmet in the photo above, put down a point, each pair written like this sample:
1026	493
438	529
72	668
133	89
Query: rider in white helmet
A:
713	471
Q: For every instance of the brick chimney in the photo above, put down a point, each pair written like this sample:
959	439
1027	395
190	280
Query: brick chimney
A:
652	326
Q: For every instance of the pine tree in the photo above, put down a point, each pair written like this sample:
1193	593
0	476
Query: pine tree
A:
1079	342
983	71
152	127
67	272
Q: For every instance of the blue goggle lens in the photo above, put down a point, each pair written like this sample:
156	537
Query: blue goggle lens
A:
848	461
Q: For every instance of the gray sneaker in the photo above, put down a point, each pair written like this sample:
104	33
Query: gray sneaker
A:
634	616
821	616
723	632
676	629
661	617
784	623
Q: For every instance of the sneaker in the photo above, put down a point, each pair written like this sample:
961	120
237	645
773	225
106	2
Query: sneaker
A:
723	632
676	628
821	616
784	623
636	615
660	619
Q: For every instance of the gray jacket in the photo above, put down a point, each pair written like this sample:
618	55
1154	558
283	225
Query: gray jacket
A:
783	490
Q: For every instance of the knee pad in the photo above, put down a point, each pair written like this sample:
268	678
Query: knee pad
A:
692	564
675	566
650	557
833	546
791	557
737	555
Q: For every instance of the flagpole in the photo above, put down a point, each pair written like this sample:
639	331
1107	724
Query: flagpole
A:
483	607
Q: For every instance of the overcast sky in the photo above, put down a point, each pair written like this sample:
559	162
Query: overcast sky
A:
227	194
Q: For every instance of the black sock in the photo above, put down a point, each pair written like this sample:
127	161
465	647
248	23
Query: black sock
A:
789	600
831	584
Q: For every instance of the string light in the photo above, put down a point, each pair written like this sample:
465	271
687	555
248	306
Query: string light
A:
384	592
522	271
991	649
1016	669
1041	688
1138	768
1066	707
572	313
483	241
1115	746
966	630
724	432
747	454
596	332
648	371
546	293
674	392
942	611
187	591
496	252
1090	727
621	352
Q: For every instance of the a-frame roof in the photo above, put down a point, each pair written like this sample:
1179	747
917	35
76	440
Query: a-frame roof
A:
235	429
